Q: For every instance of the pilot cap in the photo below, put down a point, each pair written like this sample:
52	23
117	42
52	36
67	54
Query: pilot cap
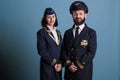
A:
49	11
78	5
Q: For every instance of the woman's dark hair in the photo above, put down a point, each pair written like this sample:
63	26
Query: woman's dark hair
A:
48	11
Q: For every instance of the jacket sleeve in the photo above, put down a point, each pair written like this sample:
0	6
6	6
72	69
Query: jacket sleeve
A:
42	49
65	53
92	45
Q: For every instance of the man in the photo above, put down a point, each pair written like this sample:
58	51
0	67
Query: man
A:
79	45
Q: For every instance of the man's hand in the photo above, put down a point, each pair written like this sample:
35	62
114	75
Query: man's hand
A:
73	68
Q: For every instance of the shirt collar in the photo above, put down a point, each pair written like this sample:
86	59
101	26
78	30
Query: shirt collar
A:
81	26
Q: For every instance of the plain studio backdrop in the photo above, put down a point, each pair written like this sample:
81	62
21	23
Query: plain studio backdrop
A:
20	20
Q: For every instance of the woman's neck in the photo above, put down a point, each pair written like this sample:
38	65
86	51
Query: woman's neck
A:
50	27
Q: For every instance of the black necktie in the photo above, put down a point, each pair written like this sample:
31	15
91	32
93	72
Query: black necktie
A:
76	32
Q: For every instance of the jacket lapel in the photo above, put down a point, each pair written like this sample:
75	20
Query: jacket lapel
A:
83	33
52	37
59	36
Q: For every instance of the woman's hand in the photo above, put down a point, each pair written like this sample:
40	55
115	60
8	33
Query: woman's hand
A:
58	67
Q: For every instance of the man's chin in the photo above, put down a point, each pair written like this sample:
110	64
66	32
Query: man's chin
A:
78	23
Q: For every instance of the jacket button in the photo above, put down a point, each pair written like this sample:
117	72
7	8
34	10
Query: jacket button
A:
76	57
83	62
71	56
72	49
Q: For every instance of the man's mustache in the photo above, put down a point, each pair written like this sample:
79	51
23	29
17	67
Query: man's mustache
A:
77	18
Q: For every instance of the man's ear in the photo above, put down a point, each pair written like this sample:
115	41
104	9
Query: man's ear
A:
85	15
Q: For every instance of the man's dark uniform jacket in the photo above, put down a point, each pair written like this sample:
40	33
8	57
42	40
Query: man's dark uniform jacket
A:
79	51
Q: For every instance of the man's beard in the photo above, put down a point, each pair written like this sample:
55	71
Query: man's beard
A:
79	22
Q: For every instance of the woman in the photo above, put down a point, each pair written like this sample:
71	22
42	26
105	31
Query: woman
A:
49	43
